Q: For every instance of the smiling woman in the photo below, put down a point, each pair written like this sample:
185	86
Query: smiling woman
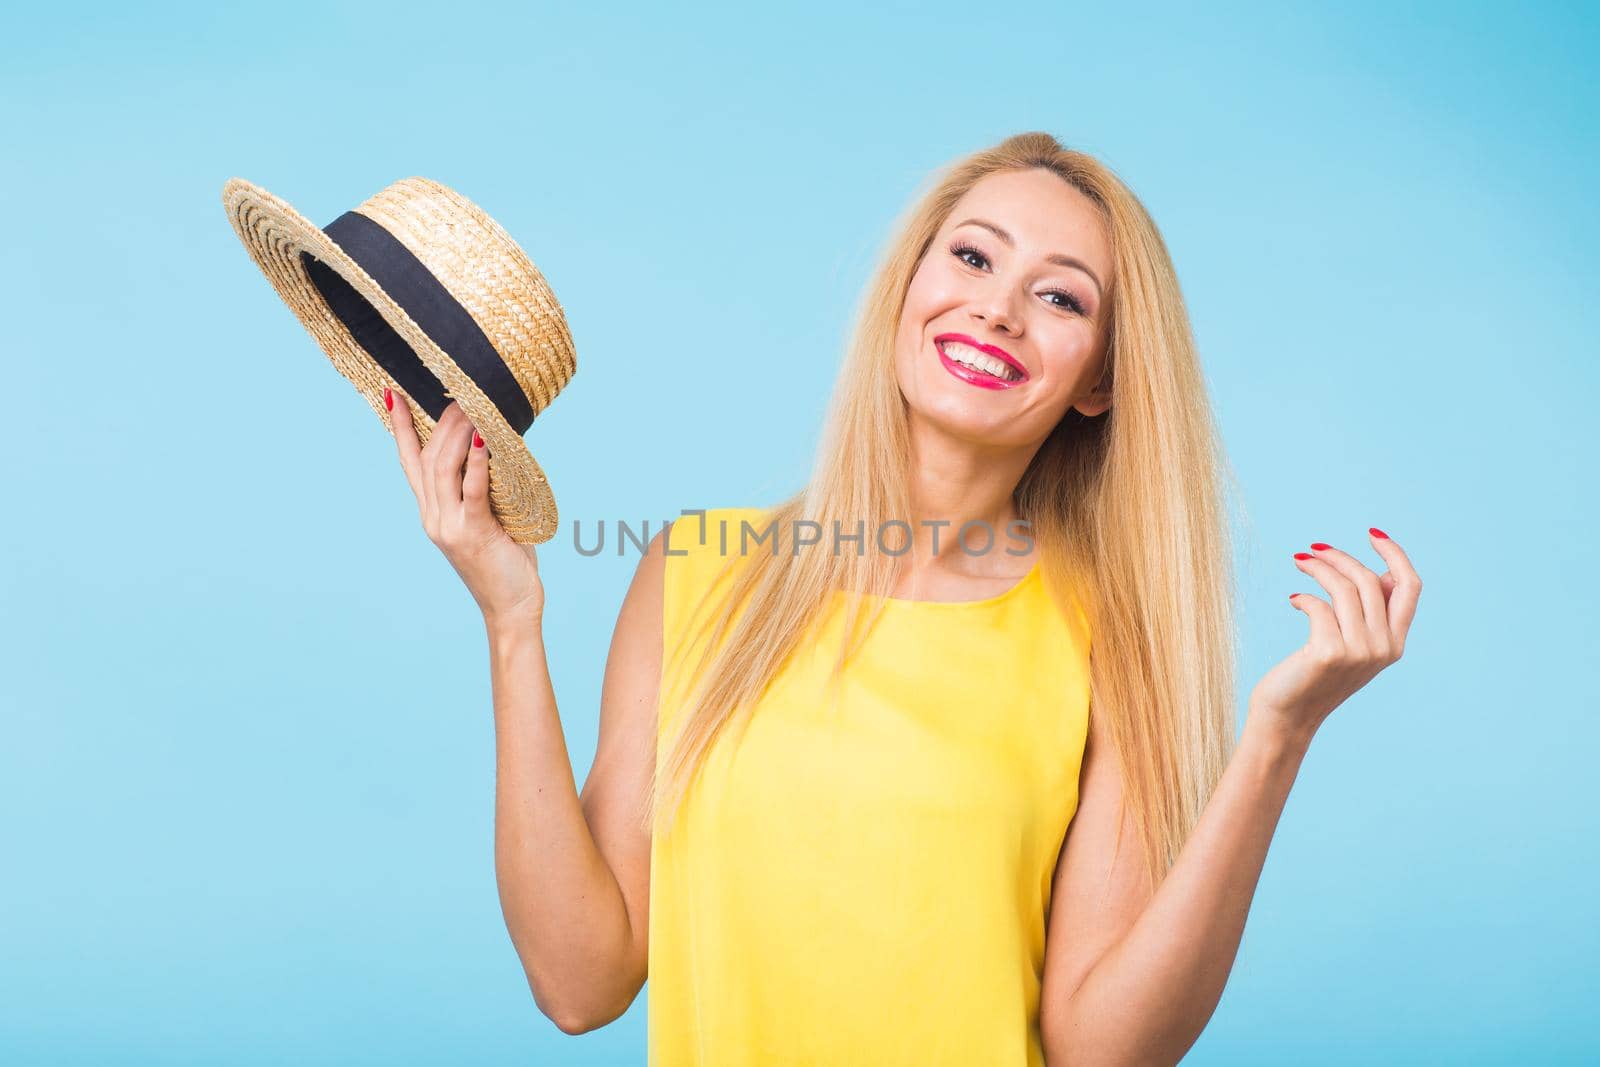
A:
977	387
884	807
829	891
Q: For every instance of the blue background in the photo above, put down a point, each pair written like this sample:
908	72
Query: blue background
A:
246	780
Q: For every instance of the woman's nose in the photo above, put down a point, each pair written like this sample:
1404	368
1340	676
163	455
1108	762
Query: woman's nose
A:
997	313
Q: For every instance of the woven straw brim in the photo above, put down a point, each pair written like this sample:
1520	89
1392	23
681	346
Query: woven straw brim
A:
275	234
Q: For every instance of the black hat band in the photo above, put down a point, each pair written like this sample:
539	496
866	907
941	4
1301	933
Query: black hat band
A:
411	285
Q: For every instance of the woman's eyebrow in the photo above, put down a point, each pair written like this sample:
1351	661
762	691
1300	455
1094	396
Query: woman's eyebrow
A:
1058	259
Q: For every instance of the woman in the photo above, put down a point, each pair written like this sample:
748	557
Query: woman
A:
915	844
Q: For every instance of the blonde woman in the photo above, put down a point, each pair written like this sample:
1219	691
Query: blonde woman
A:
850	804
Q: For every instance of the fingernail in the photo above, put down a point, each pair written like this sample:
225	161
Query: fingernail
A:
1375	532
388	398
1304	555
477	442
1293	595
1320	547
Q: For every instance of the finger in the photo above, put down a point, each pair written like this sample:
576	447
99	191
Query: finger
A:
1346	599
449	454
1324	625
475	484
405	437
1407	586
1374	608
430	450
432	498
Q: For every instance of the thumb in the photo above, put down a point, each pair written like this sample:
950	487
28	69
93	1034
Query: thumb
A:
1324	623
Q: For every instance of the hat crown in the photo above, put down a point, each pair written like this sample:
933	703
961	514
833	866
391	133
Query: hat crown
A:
488	274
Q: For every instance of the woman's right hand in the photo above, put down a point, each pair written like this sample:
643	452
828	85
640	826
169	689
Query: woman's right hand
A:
502	575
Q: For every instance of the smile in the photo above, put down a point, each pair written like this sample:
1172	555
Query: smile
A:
982	365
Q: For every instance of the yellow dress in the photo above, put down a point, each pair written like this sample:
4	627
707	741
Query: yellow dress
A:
870	887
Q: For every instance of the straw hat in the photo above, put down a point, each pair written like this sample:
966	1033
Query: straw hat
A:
419	288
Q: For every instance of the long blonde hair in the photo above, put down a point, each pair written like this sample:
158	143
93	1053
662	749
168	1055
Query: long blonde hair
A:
1127	508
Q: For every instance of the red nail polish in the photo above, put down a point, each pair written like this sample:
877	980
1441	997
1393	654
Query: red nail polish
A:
1320	547
1375	532
477	442
1304	555
388	398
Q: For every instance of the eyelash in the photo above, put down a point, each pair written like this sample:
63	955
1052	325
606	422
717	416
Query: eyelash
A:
1073	303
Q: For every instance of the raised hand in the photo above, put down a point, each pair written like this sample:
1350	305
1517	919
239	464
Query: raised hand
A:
450	478
1359	634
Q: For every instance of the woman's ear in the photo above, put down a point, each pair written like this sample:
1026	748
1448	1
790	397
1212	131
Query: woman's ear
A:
1095	402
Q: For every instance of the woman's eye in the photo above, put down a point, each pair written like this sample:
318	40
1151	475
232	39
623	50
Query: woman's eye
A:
961	252
1068	301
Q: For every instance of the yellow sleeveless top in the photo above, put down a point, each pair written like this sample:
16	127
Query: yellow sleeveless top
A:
869	886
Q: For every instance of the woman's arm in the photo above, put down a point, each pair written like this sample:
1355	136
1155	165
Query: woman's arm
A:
1132	976
1151	991
574	873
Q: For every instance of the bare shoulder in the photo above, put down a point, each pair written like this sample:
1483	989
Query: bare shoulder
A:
633	667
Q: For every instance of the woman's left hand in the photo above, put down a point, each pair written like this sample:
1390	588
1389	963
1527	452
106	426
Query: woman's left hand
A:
1360	634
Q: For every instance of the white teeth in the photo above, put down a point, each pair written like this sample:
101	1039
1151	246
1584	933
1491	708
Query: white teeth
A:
971	357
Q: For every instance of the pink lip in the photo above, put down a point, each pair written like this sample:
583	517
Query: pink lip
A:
967	374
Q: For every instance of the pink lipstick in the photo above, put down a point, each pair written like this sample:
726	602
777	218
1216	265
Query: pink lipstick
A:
972	375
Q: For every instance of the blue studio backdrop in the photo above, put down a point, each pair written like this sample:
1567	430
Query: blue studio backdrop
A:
247	774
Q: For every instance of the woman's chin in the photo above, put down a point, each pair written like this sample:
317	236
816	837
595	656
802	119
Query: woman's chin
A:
957	420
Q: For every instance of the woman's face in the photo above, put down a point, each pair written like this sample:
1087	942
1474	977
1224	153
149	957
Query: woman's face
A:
1017	270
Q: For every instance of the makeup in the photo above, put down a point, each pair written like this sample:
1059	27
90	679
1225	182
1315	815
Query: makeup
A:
983	377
